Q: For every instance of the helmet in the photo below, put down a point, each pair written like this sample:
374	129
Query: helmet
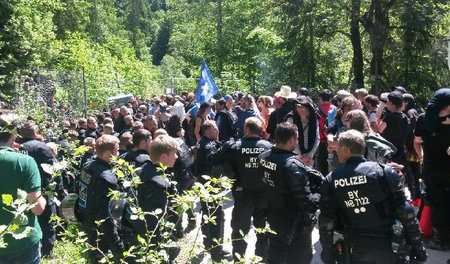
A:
67	207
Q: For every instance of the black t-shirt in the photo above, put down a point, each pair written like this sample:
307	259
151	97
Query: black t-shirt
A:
396	130
435	144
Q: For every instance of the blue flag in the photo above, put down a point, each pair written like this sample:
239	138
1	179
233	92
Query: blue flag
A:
206	86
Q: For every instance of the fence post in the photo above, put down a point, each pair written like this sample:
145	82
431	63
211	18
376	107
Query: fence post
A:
85	95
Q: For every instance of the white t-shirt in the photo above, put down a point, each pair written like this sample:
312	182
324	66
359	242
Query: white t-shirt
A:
373	116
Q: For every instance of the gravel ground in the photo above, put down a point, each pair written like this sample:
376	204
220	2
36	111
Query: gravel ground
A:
434	257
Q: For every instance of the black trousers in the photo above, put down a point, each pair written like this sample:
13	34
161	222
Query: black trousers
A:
298	252
437	181
48	228
246	206
210	230
322	158
412	178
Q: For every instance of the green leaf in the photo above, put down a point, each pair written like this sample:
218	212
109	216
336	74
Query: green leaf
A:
22	232
7	199
22	195
21	220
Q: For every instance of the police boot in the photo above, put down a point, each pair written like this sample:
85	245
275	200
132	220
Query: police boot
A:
437	242
218	254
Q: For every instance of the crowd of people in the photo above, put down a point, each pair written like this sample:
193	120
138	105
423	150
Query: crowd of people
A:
289	155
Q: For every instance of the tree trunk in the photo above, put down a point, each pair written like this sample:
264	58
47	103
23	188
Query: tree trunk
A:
355	36
219	43
312	63
376	22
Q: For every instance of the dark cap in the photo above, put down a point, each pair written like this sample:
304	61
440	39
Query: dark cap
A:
302	100
205	105
399	89
305	101
304	91
396	98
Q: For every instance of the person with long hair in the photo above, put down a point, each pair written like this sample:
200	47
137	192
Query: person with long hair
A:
200	117
305	118
348	104
265	107
249	108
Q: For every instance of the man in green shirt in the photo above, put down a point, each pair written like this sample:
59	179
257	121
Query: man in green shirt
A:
19	171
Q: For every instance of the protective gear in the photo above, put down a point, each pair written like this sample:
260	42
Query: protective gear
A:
117	209
96	182
242	158
205	147
418	254
326	231
362	201
152	195
359	192
67	207
289	198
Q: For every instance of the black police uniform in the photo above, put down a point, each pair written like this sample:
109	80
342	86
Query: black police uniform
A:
184	176
291	206
93	133
248	190
96	182
202	166
152	194
136	158
42	154
85	159
183	167
362	200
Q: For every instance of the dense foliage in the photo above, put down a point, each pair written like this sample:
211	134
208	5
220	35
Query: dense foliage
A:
144	46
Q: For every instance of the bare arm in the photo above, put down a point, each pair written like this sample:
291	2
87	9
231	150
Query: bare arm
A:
36	197
418	147
380	110
382	127
374	126
198	123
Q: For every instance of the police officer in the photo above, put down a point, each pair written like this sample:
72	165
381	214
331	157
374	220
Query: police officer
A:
248	188
206	146
183	169
362	201
96	182
154	191
291	205
42	154
139	155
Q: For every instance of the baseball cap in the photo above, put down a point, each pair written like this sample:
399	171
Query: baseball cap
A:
228	97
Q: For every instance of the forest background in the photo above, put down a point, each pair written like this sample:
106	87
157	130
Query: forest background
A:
146	46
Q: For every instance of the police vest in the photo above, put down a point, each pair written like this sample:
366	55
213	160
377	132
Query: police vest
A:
362	196
246	163
274	164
